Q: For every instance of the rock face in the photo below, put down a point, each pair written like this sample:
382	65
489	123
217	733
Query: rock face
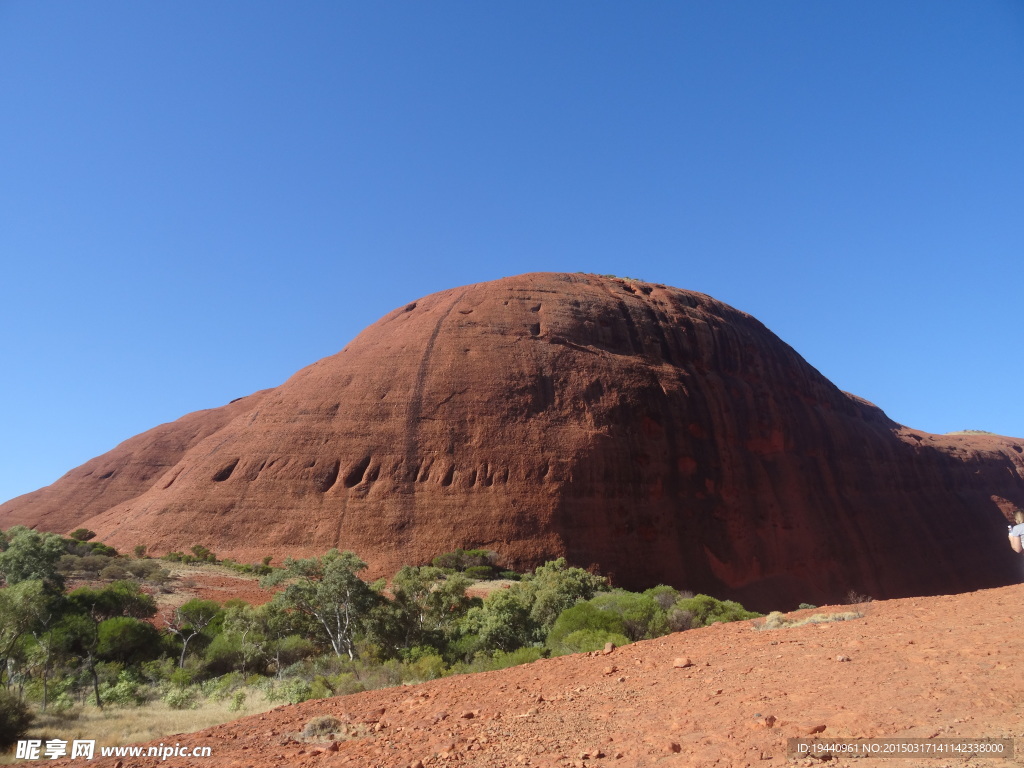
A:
654	433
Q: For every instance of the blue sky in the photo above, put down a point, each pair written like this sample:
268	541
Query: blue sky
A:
198	199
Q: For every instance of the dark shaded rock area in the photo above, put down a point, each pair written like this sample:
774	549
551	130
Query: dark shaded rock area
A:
655	434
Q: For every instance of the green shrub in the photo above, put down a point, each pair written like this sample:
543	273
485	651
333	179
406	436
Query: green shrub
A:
237	701
586	640
480	572
641	614
124	693
15	719
182	698
582	617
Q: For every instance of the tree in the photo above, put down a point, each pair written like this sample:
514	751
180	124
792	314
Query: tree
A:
31	556
426	605
189	621
329	590
555	587
127	640
20	607
90	607
82	534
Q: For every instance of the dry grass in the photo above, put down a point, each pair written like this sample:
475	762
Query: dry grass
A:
778	620
115	726
484	588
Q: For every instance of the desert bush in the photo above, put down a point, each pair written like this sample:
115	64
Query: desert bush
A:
642	615
461	559
680	620
182	698
585	617
321	727
853	597
114	572
664	596
237	701
124	693
708	610
428	666
15	719
481	572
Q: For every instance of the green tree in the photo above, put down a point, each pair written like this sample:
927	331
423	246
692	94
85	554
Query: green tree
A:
426	604
189	621
329	590
32	556
20	608
82	534
127	640
90	607
555	587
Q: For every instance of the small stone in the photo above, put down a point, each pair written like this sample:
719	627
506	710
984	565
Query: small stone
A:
682	662
841	657
608	648
332	747
817	729
674	746
416	764
770	721
467	715
621	679
610	670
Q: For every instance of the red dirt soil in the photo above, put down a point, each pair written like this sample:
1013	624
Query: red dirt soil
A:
913	668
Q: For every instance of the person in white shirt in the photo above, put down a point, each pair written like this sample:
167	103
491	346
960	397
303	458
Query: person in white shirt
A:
1017	532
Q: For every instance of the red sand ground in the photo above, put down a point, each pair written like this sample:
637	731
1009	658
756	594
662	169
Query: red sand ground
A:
919	667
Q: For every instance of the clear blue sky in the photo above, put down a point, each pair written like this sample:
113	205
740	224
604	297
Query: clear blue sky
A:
197	199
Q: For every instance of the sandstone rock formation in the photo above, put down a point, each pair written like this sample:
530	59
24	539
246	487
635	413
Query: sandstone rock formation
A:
654	433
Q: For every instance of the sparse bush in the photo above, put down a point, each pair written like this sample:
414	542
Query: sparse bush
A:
139	551
321	727
82	534
805	606
114	572
853	597
708	610
778	620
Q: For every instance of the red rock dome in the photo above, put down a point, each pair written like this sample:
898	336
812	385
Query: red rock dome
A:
653	433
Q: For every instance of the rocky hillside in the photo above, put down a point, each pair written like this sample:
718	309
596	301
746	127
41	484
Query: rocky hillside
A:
654	433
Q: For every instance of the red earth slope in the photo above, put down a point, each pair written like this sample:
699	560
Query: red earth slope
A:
940	667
